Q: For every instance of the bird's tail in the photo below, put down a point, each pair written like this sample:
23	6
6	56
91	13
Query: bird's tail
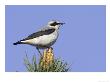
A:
19	42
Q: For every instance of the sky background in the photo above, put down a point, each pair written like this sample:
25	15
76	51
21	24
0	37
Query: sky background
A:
81	42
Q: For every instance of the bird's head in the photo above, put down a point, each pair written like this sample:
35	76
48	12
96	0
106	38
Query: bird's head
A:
55	24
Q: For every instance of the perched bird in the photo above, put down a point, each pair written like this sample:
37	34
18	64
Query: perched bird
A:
44	38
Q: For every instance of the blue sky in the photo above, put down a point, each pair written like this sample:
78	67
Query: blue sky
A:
81	42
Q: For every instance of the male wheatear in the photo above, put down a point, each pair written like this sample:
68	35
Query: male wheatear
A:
44	38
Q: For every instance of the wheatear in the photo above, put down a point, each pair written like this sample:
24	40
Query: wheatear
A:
44	38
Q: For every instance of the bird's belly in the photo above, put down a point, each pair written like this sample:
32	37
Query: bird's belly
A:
47	39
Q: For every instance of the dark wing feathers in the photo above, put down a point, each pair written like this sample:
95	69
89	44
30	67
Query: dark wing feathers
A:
39	33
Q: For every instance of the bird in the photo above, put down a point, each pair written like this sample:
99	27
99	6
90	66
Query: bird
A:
45	37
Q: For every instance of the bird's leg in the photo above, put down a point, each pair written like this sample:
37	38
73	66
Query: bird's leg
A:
39	51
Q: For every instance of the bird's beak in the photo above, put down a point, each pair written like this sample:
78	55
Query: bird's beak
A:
61	23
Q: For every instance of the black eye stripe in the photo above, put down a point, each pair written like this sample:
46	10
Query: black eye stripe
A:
54	24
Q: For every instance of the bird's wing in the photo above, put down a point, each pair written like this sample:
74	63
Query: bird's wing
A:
40	33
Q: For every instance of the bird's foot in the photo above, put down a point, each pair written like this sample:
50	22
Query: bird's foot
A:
50	48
